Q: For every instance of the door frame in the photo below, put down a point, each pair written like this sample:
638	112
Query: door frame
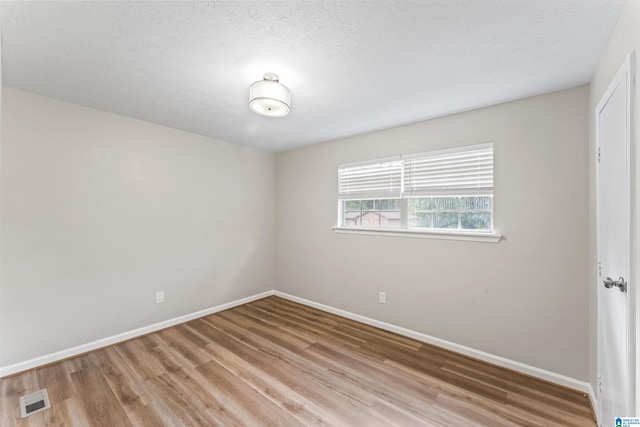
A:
626	71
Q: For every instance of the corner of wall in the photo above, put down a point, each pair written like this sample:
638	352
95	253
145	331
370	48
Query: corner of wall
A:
1	85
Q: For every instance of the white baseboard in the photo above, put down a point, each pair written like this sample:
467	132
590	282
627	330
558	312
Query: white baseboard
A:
487	357
594	402
553	377
104	342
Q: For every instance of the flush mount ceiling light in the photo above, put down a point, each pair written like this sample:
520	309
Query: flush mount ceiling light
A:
269	97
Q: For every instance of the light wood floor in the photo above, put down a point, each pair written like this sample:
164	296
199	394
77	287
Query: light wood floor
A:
274	362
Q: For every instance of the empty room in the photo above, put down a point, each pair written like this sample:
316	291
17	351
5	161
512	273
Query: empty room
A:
295	213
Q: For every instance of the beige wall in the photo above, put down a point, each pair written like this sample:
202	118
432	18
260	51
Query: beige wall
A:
624	39
1	87
525	298
100	211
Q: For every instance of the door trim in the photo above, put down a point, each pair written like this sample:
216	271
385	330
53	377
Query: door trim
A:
626	71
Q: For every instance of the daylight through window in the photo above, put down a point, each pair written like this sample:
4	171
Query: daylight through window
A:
440	190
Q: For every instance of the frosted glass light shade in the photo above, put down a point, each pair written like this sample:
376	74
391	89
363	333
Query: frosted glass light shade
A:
269	97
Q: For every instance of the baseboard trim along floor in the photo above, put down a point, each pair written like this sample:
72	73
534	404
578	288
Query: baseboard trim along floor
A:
533	371
275	361
104	342
523	368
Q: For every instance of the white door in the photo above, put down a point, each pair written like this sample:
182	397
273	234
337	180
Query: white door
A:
614	198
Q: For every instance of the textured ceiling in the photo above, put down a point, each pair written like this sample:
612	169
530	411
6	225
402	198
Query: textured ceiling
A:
352	67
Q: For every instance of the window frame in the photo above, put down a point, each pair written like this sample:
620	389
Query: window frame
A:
404	230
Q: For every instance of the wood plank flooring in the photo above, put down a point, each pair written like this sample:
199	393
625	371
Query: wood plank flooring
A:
277	363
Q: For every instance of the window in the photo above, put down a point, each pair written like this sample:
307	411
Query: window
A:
457	213
372	213
442	190
370	194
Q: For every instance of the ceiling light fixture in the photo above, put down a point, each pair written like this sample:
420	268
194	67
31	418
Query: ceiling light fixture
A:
269	97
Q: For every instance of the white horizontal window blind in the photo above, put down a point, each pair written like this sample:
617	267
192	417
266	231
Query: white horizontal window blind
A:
438	190
460	171
379	180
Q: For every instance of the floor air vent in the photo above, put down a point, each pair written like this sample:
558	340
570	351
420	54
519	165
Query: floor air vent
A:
34	402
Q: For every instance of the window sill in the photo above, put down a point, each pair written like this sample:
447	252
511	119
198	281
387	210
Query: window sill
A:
443	235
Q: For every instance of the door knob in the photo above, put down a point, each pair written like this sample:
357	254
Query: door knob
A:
620	283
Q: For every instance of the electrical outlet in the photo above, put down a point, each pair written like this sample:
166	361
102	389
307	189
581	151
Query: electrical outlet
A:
159	297
382	297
